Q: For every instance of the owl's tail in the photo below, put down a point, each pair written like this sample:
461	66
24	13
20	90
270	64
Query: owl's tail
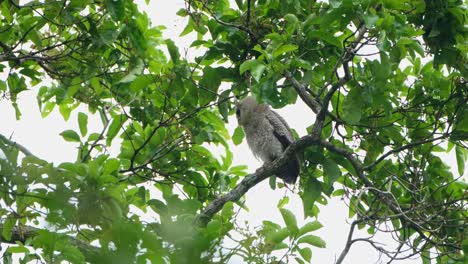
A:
290	172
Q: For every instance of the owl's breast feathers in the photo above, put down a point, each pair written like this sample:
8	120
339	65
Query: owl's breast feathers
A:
268	135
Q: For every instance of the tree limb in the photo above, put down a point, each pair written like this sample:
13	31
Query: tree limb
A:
349	242
14	144
253	179
26	233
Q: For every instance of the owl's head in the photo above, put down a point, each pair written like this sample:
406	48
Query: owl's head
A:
247	109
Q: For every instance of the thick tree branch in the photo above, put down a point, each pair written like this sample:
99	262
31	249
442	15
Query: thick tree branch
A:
26	233
253	179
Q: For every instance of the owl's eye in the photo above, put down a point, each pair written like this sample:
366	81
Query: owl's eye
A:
238	112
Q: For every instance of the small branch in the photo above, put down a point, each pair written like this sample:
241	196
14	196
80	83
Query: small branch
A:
349	242
397	150
14	144
213	15
302	92
346	57
95	143
26	233
248	12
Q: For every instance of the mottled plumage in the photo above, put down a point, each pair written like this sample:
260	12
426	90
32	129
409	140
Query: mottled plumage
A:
268	135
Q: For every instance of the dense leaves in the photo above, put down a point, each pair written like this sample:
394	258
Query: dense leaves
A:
386	80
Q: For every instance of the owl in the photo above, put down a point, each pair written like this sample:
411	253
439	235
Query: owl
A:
268	135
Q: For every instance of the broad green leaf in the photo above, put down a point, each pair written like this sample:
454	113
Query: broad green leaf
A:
111	165
290	221
293	21
209	85
70	135
134	72
173	51
461	158
312	240
280	246
65	111
312	191
83	123
326	37
238	136
370	19
284	49
18	249
278	236
352	106
309	227
8	225
332	171
255	67
114	128
306	253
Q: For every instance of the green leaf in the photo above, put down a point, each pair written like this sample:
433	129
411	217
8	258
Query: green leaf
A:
383	69
352	106
209	85
278	236
65	111
8	225
47	108
18	249
332	171
284	49
280	246
309	227
326	37
272	182
370	19
114	128
293	21
173	51
461	158
83	123
312	240
137	69
426	257
312	191
238	136
255	67
290	221
70	135
283	201
306	253
111	165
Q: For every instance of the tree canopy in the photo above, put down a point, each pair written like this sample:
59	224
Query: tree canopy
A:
385	79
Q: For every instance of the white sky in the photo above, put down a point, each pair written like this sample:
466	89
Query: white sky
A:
41	137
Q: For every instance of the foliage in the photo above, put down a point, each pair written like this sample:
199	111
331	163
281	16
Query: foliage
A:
386	80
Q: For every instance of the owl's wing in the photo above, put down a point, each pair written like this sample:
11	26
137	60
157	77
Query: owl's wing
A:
283	133
281	129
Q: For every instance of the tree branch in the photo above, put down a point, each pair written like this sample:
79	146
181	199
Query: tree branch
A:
14	144
253	179
349	242
397	150
302	92
25	233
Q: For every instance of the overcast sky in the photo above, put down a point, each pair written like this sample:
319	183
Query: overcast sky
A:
41	137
